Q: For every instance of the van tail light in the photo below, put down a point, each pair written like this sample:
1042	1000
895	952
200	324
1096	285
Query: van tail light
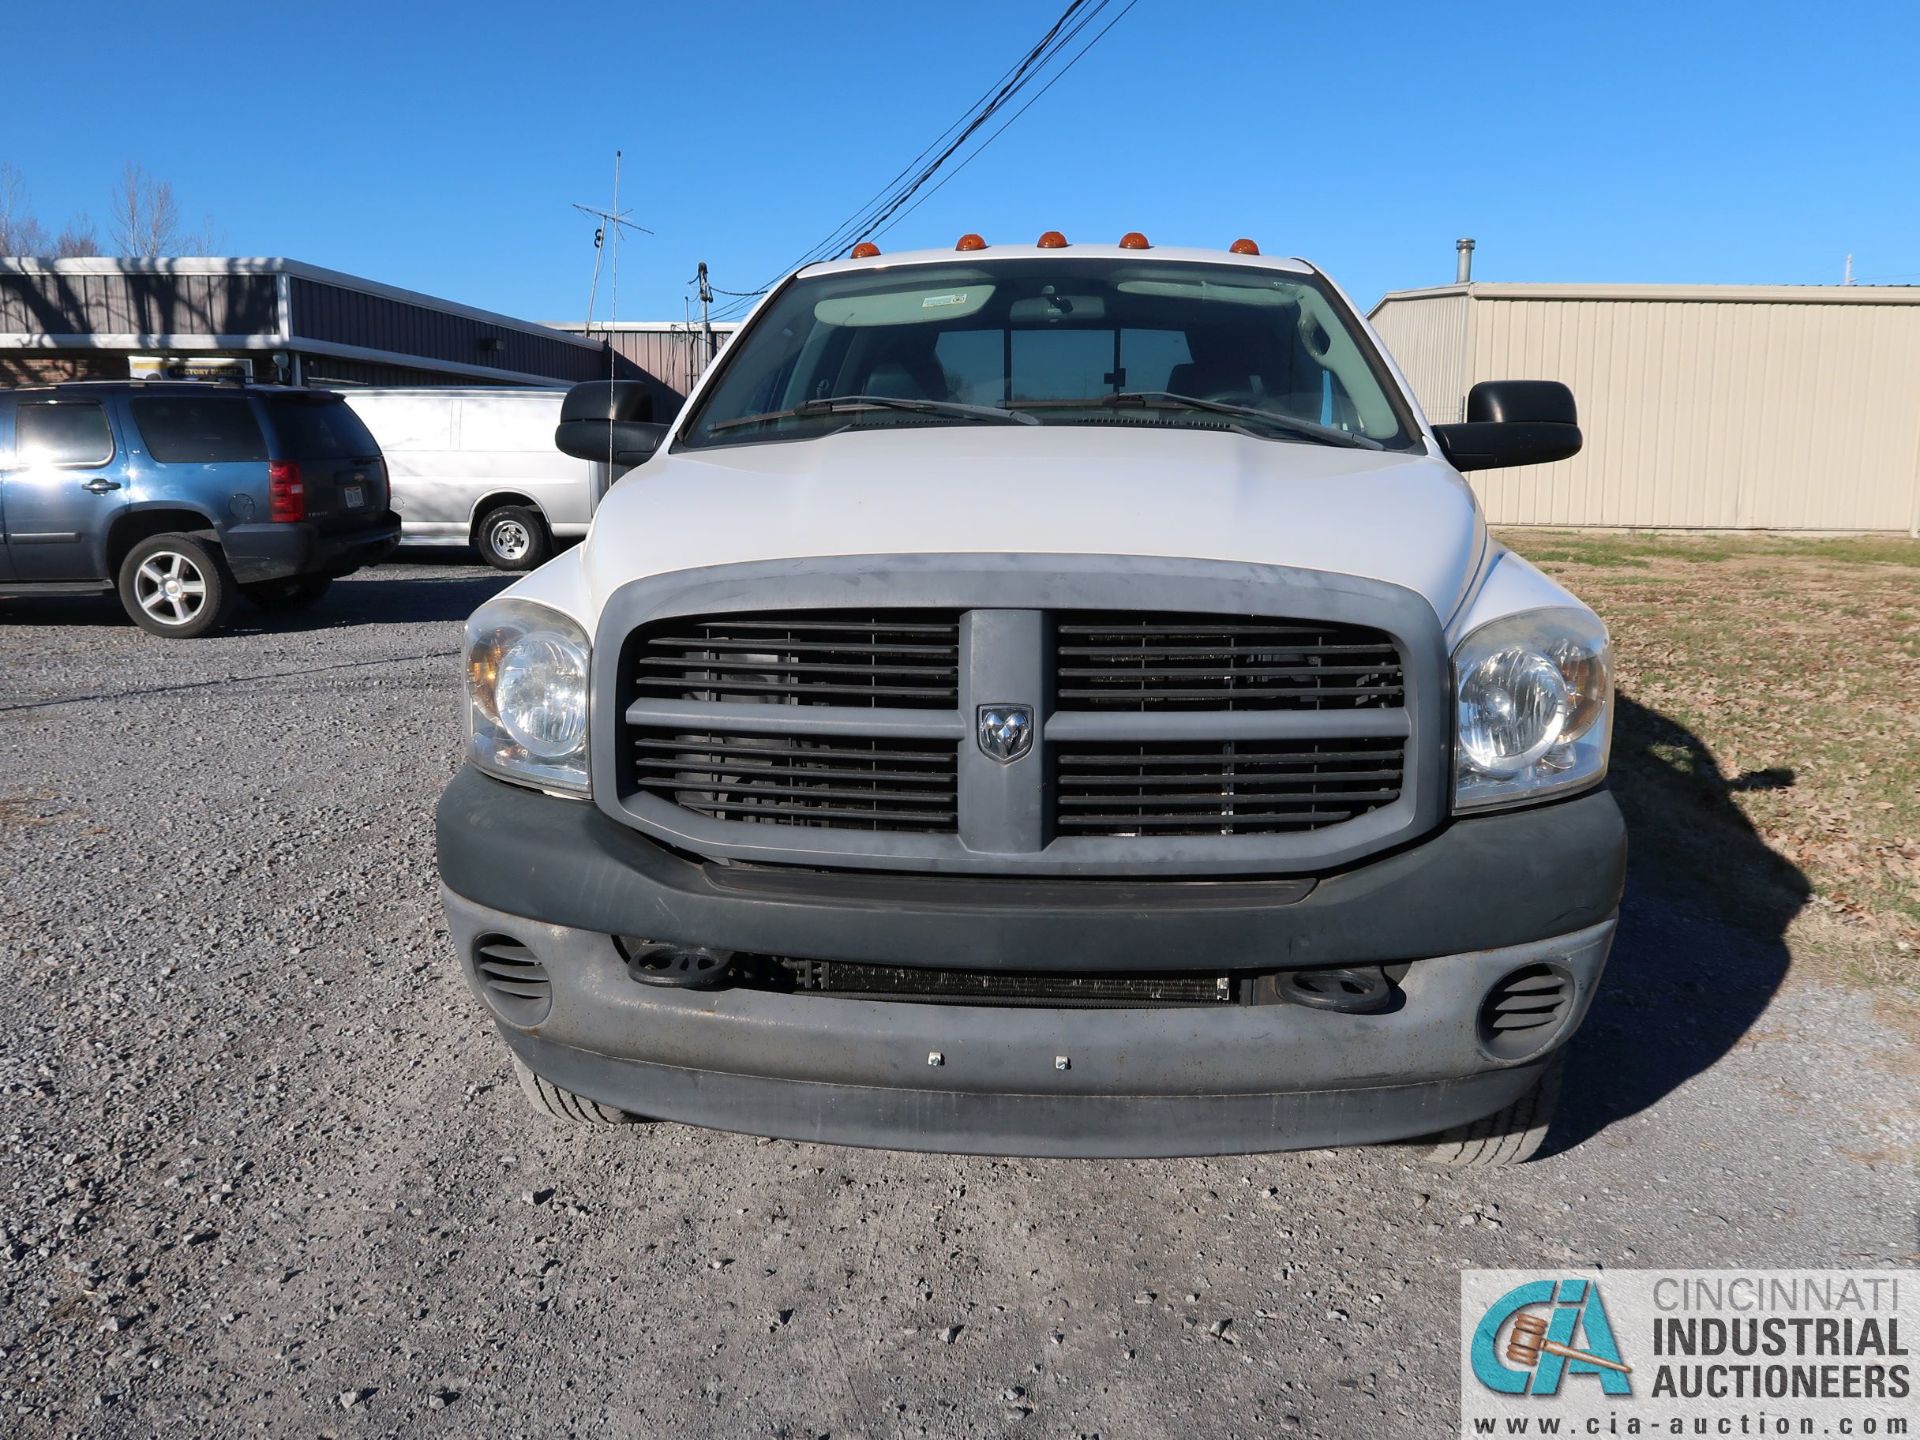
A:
287	492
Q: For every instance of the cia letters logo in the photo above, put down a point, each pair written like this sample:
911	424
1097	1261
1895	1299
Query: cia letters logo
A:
1518	1349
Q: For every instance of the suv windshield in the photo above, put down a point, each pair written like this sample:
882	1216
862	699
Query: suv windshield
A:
1058	342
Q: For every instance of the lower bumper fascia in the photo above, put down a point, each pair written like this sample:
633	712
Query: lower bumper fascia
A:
954	1122
986	1079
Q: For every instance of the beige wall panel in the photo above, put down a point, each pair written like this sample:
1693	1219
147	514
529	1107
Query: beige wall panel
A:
1766	409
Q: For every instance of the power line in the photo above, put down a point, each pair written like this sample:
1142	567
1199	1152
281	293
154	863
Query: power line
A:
1023	72
882	209
837	237
1010	119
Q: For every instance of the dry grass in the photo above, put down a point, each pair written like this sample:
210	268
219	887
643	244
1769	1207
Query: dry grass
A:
1768	748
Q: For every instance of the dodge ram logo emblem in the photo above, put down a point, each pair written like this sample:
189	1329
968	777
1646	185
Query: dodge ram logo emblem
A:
1006	731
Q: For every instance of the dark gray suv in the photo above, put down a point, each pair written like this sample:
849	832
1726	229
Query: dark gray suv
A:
182	494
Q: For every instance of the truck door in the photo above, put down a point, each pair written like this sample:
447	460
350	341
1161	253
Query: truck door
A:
62	489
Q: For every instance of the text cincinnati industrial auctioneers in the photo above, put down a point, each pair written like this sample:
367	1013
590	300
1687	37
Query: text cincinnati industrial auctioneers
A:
1829	1336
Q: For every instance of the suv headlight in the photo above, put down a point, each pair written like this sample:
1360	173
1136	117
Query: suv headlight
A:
1533	700
527	670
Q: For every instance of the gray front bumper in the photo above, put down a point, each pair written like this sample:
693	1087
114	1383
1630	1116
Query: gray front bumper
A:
1140	1082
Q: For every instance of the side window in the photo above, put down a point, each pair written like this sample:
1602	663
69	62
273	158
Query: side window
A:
64	433
189	429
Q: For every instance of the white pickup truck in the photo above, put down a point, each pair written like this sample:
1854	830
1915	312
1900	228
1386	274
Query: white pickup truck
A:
1049	700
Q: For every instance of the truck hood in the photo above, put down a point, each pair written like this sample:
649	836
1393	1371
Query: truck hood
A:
1049	490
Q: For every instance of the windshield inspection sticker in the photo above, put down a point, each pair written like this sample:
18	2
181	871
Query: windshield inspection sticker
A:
1687	1352
933	302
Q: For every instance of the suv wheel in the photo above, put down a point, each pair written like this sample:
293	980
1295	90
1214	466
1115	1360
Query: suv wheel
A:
550	1100
175	585
1507	1137
513	537
296	592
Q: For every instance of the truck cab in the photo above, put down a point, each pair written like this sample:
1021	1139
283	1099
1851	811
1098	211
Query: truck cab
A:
1053	699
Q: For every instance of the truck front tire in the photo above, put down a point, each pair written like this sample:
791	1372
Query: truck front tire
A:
1511	1136
558	1104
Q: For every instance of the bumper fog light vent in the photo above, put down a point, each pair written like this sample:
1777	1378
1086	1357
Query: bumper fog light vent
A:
513	979
1522	1014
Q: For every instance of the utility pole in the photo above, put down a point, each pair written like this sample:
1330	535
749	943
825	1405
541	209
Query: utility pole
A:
706	301
1847	279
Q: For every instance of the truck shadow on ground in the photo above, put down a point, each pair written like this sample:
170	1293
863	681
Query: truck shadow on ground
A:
1702	944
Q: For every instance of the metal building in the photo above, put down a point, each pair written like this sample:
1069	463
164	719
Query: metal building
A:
106	318
1775	407
670	356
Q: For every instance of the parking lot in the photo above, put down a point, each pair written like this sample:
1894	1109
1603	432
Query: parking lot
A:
265	1169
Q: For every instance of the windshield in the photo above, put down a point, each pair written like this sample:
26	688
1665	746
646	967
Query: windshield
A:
1057	342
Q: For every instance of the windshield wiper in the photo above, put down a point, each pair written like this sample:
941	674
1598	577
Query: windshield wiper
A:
1167	400
836	404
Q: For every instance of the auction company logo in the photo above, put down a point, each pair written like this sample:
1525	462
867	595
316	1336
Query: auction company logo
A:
1574	1337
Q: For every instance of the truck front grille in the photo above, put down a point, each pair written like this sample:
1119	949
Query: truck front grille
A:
1149	740
848	658
1243	787
845	782
1108	661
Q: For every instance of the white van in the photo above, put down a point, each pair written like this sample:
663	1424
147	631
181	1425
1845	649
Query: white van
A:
478	467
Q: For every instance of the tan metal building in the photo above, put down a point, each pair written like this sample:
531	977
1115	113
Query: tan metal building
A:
1736	407
670	356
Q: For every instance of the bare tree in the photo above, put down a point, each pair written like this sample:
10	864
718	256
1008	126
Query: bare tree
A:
76	238
146	222
20	232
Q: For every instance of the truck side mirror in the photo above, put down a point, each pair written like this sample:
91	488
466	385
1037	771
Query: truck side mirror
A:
1513	422
608	419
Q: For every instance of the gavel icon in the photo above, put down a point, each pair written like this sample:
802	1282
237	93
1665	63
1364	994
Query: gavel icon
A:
1527	1342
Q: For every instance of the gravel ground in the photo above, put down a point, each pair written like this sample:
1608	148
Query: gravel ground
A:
266	1170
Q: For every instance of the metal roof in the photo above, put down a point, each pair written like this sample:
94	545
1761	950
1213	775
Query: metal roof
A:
1179	253
1704	294
294	269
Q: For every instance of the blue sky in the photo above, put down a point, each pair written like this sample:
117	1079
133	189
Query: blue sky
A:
439	146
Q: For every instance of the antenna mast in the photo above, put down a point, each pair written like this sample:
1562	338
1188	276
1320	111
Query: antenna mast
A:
612	222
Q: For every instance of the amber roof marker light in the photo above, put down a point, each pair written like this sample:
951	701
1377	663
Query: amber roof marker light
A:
1052	240
1244	246
969	241
865	250
1134	240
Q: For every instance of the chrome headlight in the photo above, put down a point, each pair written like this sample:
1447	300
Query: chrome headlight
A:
527	670
1533	699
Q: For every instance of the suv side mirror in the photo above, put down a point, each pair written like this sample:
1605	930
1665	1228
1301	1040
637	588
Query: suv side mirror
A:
1513	422
608	419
